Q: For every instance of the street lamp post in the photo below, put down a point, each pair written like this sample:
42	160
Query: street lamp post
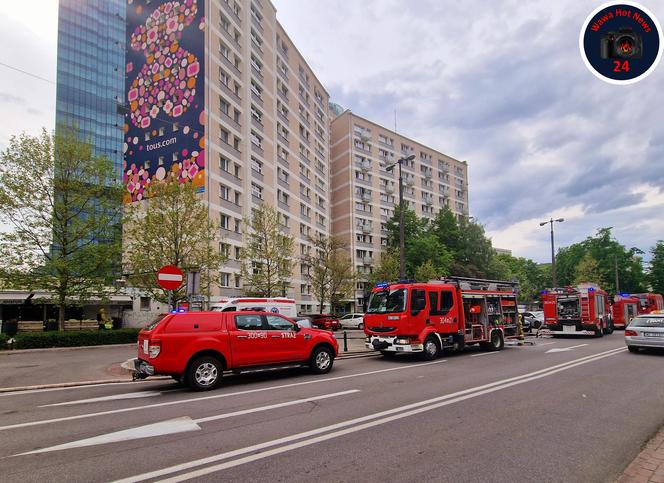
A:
402	249
553	253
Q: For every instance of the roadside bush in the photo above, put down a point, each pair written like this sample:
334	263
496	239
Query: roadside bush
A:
41	340
3	341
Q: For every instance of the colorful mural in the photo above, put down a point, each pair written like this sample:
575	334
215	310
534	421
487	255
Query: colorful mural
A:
164	130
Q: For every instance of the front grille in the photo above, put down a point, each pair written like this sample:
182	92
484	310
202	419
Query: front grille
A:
382	329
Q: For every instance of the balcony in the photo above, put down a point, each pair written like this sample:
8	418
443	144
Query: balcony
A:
225	89
366	228
257	98
257	124
230	65
230	149
389	189
365	166
367	260
428	174
283	117
227	8
409	181
366	197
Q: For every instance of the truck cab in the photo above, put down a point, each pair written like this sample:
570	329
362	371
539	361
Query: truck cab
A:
649	302
624	309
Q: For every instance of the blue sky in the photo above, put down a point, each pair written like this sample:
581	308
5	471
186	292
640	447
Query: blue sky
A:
500	84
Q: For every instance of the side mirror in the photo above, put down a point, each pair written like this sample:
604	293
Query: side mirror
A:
297	327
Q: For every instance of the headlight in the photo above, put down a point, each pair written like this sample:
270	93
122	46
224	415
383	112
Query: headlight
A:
402	340
154	351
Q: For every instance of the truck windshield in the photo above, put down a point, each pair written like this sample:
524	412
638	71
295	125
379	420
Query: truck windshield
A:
388	301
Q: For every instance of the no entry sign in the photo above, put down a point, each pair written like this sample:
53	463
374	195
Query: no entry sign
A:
170	277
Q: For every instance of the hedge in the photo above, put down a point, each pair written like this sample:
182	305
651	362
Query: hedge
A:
3	341
41	340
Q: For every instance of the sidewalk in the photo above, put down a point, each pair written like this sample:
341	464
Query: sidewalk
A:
648	466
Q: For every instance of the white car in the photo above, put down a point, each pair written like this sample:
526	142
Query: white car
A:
352	321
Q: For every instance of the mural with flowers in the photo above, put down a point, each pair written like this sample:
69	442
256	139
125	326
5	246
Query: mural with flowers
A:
164	130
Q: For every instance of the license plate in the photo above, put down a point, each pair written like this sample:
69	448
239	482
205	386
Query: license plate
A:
653	334
569	328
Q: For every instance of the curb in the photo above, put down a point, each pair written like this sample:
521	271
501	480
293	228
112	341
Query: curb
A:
65	384
9	352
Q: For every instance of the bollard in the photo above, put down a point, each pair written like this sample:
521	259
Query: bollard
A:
345	341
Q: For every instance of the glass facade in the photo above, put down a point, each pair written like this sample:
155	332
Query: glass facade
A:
90	78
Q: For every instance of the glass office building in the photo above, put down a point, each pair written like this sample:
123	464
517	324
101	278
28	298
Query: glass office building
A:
90	78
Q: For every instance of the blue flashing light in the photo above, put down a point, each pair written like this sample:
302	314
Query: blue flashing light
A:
624	295
174	311
544	292
591	289
382	285
181	310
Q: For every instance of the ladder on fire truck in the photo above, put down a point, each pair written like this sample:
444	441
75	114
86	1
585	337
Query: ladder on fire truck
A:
585	307
466	283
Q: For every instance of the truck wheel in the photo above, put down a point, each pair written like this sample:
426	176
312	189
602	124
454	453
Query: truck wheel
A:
497	343
431	349
388	354
204	373
321	360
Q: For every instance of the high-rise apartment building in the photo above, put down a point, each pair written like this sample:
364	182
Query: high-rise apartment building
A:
90	72
219	95
365	193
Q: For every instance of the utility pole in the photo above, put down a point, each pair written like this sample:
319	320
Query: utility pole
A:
402	242
553	253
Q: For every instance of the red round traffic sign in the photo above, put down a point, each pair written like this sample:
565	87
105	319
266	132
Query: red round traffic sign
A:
170	277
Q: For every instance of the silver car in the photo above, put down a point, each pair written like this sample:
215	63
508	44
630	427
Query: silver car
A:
645	330
352	321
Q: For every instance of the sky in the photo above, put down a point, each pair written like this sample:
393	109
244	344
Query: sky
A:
499	84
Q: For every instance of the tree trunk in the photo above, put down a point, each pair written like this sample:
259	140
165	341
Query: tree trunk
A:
61	316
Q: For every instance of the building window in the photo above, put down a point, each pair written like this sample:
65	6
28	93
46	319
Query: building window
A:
224	164
225	221
224	192
224	279
145	303
256	165
257	191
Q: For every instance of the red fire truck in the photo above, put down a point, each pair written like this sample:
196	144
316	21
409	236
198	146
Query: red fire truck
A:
624	309
649	302
446	314
581	310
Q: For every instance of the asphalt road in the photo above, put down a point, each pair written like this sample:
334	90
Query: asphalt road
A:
523	414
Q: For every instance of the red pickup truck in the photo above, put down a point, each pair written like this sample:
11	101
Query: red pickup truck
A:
196	347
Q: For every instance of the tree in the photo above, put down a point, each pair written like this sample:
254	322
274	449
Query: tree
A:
531	277
446	230
62	205
656	271
427	250
170	227
342	279
413	227
427	271
475	251
608	253
267	262
330	269
588	271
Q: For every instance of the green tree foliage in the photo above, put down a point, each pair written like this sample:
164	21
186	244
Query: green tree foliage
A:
656	269
531	277
62	205
427	271
171	227
267	258
414	227
588	271
608	253
387	270
330	270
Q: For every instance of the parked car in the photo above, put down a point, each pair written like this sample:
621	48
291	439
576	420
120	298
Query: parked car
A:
532	320
645	330
352	321
325	321
197	347
303	321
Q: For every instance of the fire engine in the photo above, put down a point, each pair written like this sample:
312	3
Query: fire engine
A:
649	302
447	314
581	310
624	309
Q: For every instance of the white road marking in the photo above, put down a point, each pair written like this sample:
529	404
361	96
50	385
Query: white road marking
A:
114	397
177	425
564	349
546	343
64	388
353	425
215	396
484	354
172	426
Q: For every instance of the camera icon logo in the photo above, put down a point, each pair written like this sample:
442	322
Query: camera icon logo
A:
621	42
